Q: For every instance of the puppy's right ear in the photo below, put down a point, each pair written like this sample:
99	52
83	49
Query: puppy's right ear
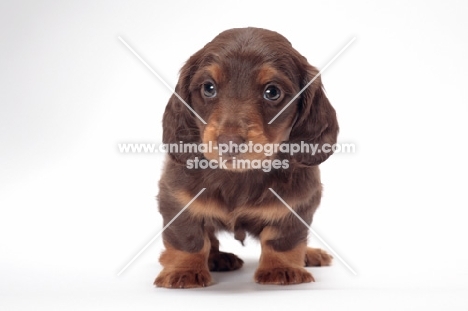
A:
179	123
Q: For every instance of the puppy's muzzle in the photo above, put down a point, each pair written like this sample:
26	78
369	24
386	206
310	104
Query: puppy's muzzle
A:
229	144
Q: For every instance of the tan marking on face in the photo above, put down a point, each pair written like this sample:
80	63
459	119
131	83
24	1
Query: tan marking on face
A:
215	72
253	133
210	134
279	131
266	74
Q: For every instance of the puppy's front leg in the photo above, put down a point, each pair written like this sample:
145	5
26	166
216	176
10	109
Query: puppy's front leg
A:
282	258
185	259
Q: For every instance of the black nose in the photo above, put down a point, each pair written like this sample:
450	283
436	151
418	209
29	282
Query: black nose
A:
229	144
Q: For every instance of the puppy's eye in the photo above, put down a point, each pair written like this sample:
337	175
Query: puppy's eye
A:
272	93
208	89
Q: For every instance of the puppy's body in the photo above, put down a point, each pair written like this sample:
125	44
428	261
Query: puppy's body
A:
238	83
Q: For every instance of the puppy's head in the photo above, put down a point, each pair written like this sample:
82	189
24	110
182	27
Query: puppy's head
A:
238	83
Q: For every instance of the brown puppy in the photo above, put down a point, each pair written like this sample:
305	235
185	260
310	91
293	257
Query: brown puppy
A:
238	83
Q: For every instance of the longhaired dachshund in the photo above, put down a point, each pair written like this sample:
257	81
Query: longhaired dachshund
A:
233	88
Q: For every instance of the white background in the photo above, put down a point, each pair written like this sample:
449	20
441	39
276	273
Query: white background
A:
74	210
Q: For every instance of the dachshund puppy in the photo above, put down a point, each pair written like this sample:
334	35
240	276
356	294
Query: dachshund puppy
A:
235	86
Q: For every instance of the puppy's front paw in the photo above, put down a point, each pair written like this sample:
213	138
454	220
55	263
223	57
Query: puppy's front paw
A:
183	279
221	261
316	257
283	276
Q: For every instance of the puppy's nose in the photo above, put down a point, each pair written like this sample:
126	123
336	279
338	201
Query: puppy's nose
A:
229	144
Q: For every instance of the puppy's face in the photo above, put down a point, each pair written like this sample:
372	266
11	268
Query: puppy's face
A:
238	83
238	97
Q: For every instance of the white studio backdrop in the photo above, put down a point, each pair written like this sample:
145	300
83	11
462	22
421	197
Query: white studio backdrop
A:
74	211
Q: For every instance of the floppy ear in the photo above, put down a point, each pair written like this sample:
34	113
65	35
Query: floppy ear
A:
316	123
179	123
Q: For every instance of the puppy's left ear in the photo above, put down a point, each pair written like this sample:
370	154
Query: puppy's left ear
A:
316	123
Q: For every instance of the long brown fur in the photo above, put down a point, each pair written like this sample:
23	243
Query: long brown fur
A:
241	63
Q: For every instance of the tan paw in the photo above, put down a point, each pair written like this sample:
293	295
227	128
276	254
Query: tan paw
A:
183	278
221	261
316	257
283	276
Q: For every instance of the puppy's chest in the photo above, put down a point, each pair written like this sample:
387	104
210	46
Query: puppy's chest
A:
234	214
